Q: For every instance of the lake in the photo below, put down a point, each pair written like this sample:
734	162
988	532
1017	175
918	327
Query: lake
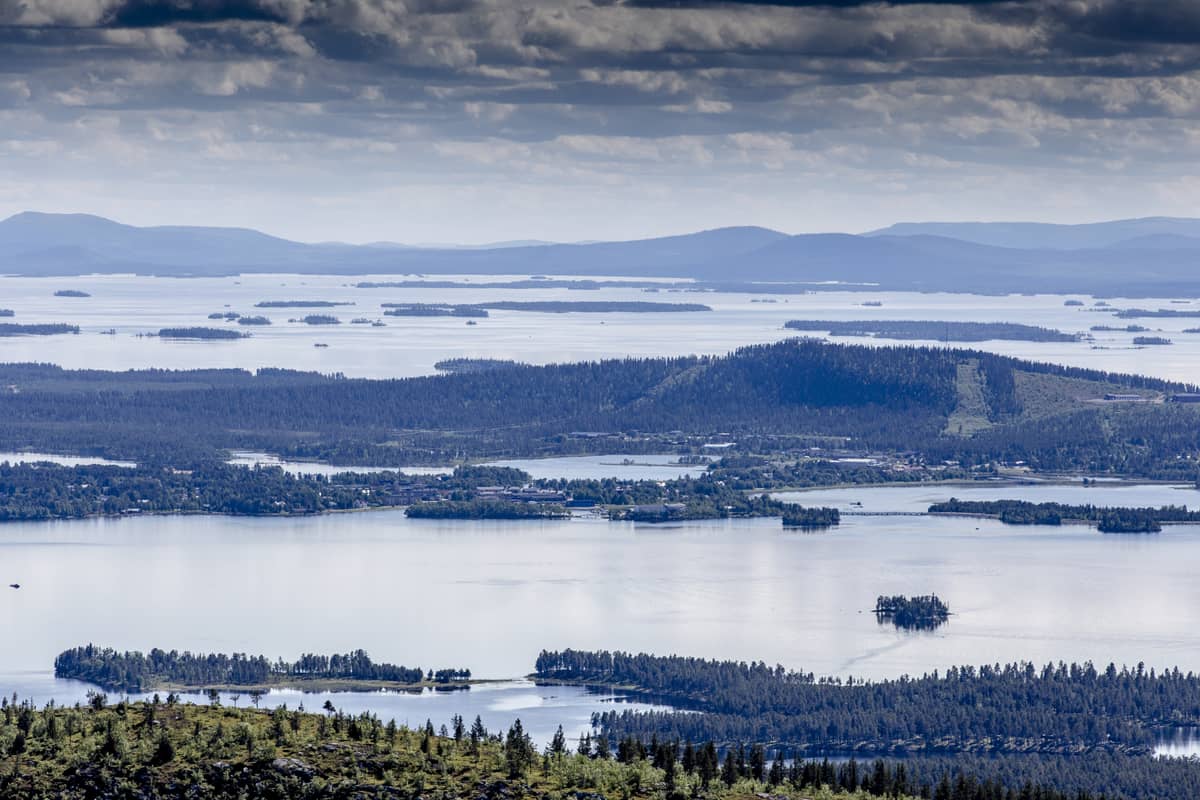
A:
599	467
656	467
249	459
131	305
490	595
55	458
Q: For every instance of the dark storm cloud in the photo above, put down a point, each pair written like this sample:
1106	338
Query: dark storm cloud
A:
155	13
802	3
1163	21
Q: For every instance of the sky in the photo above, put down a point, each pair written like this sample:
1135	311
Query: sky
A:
490	120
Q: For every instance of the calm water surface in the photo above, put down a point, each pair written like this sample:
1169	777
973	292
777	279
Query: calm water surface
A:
53	458
130	305
626	467
490	595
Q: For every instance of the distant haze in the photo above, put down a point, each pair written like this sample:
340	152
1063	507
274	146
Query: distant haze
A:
476	121
1142	257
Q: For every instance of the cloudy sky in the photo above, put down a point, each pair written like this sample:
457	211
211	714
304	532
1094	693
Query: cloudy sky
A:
484	120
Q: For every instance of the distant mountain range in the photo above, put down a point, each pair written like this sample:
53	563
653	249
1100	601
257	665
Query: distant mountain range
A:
1039	235
1153	256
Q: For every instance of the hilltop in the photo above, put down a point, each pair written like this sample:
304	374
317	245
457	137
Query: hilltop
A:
938	403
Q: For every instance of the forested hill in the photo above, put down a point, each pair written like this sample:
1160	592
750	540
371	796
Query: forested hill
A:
883	398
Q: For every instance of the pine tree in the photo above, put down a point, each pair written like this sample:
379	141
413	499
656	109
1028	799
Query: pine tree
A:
729	772
518	750
558	745
689	758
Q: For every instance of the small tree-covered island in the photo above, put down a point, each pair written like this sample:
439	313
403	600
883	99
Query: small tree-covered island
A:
924	612
36	329
300	304
200	333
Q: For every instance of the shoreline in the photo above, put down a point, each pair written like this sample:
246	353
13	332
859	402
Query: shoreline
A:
305	685
1002	482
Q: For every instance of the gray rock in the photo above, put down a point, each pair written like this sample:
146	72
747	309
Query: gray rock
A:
292	766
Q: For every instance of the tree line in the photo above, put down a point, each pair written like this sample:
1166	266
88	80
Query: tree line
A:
133	671
1109	519
46	491
999	708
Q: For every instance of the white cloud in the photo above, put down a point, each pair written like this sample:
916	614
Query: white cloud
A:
229	79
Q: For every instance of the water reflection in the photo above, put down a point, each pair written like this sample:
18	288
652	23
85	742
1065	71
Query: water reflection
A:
1179	743
739	589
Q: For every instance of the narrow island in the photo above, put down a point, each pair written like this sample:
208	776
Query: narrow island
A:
320	319
132	671
543	307
7	312
300	304
485	508
226	315
1151	341
583	284
256	320
47	329
1107	520
593	307
431	310
1162	313
1119	329
200	333
921	613
71	293
933	330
